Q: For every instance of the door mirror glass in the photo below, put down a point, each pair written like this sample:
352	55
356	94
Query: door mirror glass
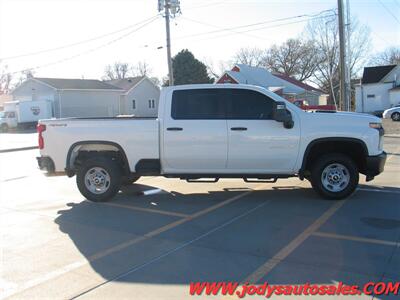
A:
282	114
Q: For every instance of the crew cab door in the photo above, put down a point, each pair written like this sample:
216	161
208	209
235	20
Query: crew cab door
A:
194	132
257	143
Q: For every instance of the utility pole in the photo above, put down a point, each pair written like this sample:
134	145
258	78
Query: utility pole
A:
342	66
348	49
171	8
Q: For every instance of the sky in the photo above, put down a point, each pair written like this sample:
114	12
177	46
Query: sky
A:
100	32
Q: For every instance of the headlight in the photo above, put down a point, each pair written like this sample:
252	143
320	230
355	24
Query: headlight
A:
375	125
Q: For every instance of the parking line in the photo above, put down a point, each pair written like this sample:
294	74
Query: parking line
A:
288	249
378	190
73	266
157	258
150	210
354	238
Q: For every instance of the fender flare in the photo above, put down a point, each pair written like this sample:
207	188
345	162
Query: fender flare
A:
328	139
69	170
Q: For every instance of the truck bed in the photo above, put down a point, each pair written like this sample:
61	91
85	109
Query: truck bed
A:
138	137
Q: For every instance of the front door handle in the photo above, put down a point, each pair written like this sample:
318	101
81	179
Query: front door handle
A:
238	128
174	128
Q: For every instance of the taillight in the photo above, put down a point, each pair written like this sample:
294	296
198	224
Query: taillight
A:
40	128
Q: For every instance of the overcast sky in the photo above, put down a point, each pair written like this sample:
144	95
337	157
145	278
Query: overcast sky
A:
28	26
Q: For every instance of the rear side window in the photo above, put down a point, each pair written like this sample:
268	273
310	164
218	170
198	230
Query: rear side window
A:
198	104
249	105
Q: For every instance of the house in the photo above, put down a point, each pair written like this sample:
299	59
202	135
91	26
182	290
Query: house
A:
92	98
280	84
72	97
379	89
140	96
4	98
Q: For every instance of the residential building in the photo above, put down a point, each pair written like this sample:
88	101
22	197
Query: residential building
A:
92	98
379	89
72	97
278	83
140	96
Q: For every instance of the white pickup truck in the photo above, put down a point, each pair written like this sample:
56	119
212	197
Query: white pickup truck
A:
216	131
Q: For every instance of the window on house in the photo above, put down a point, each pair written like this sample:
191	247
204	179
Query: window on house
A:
371	96
133	104
152	103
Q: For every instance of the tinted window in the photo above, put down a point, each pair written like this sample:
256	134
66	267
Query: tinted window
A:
197	104
249	105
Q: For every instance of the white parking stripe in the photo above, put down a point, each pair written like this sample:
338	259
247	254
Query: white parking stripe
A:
73	266
354	238
288	249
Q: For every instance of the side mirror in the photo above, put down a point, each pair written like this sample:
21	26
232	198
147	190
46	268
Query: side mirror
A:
281	114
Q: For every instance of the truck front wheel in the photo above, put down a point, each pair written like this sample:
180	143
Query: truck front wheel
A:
99	179
334	176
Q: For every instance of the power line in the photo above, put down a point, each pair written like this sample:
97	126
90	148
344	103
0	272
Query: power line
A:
256	24
88	51
388	10
78	43
249	30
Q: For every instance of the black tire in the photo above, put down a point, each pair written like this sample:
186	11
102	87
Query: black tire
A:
317	173
395	116
111	168
4	128
130	180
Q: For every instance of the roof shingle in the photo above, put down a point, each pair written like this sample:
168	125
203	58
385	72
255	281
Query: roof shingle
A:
77	84
126	83
376	74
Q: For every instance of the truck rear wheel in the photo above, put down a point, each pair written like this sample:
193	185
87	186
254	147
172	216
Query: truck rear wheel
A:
334	176
99	179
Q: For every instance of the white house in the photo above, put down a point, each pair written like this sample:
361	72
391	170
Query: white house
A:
93	98
140	96
280	84
379	89
72	97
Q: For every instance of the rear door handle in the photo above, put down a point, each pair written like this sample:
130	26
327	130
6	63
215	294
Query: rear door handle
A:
238	128
174	128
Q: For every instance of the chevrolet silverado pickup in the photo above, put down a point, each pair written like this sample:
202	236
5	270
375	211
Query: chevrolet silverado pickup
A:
208	132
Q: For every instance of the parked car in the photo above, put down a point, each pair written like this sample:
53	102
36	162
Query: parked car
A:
216	131
24	114
392	113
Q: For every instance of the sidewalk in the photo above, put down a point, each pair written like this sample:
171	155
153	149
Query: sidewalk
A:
17	141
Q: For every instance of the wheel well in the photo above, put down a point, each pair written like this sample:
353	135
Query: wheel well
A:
353	148
82	151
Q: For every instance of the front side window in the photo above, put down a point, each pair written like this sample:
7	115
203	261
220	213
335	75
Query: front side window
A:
198	104
250	105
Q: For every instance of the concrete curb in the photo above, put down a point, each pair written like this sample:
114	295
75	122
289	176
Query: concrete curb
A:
19	149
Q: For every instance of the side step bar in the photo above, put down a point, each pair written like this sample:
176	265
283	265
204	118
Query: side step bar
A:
214	180
261	180
199	180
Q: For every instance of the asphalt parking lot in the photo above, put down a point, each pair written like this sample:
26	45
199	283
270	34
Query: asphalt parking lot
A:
57	245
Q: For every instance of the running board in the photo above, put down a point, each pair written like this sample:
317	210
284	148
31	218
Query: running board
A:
199	180
258	180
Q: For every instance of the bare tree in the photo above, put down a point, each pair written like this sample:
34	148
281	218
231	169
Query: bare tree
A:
118	70
324	35
215	70
5	80
296	58
250	56
142	68
390	56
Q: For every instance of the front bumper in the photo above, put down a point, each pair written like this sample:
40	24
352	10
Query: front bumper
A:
46	163
375	165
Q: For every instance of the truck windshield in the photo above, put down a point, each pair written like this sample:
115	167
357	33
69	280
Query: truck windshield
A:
9	114
2	114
